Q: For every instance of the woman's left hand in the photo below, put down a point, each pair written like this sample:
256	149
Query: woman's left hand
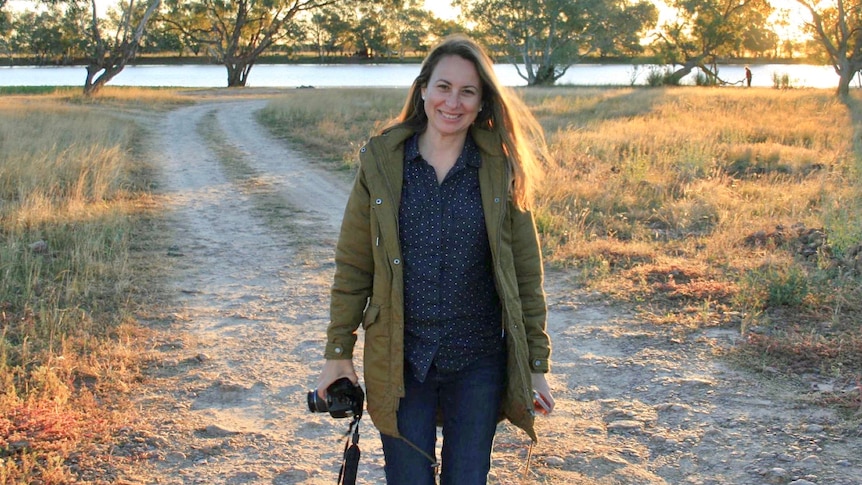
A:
546	400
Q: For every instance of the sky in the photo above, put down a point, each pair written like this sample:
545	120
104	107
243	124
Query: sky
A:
442	9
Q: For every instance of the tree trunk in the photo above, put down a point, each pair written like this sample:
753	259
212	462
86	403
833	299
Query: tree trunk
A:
237	73
844	80
113	59
545	76
684	71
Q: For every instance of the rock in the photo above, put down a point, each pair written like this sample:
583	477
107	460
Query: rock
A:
215	431
554	461
40	246
777	476
802	481
625	425
813	428
811	462
175	457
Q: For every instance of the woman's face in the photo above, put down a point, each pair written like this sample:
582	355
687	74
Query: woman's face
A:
453	96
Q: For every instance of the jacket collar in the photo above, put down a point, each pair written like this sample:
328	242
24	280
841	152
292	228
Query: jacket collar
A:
487	141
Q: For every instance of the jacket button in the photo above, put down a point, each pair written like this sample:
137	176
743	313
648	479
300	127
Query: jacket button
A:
396	261
378	201
537	363
338	350
496	200
362	150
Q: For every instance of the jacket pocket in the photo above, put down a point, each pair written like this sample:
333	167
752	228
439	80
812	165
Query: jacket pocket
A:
371	316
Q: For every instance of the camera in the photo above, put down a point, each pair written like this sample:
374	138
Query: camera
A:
343	400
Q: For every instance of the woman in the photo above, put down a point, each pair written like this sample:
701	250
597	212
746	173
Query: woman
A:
439	260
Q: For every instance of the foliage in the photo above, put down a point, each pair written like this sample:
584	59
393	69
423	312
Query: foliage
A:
836	26
330	30
704	30
781	80
237	33
658	76
548	36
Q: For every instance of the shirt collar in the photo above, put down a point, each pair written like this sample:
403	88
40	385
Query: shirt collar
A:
470	153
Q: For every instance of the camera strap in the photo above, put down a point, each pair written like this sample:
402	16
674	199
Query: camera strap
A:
350	463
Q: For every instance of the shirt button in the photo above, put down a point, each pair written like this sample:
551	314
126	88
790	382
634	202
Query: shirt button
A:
378	201
396	261
362	150
496	200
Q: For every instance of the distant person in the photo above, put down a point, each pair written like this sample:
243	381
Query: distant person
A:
440	262
747	76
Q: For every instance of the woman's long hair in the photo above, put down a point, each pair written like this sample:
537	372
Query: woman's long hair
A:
502	112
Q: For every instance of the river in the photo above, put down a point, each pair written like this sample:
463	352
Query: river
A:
390	75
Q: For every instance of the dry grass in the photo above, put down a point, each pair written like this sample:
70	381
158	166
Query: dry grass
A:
332	124
702	207
70	206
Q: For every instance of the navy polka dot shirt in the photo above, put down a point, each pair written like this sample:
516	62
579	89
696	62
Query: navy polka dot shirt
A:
452	310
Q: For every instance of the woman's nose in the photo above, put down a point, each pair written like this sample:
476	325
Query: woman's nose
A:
452	99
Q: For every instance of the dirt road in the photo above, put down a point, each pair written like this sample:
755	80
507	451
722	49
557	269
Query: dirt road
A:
253	229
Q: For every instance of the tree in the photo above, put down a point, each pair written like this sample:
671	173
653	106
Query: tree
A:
106	43
838	29
330	31
370	34
107	55
4	19
703	30
237	32
38	35
543	38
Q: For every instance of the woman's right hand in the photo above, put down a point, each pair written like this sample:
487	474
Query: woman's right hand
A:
334	370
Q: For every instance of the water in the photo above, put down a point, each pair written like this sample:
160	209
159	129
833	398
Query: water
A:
387	75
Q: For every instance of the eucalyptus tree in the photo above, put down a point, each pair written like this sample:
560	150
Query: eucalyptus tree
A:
37	35
704	30
4	19
106	42
411	29
371	35
330	30
111	43
543	38
837	25
237	32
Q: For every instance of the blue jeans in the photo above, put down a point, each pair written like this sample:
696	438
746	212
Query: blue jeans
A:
469	401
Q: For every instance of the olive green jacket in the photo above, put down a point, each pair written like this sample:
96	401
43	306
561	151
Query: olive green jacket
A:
369	280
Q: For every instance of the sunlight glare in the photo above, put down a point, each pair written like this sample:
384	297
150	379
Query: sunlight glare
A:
442	9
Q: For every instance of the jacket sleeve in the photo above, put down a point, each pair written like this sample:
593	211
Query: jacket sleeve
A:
354	270
527	254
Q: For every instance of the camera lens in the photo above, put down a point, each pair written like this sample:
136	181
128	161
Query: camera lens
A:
316	404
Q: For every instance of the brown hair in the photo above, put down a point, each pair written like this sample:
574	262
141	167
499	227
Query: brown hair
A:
503	113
